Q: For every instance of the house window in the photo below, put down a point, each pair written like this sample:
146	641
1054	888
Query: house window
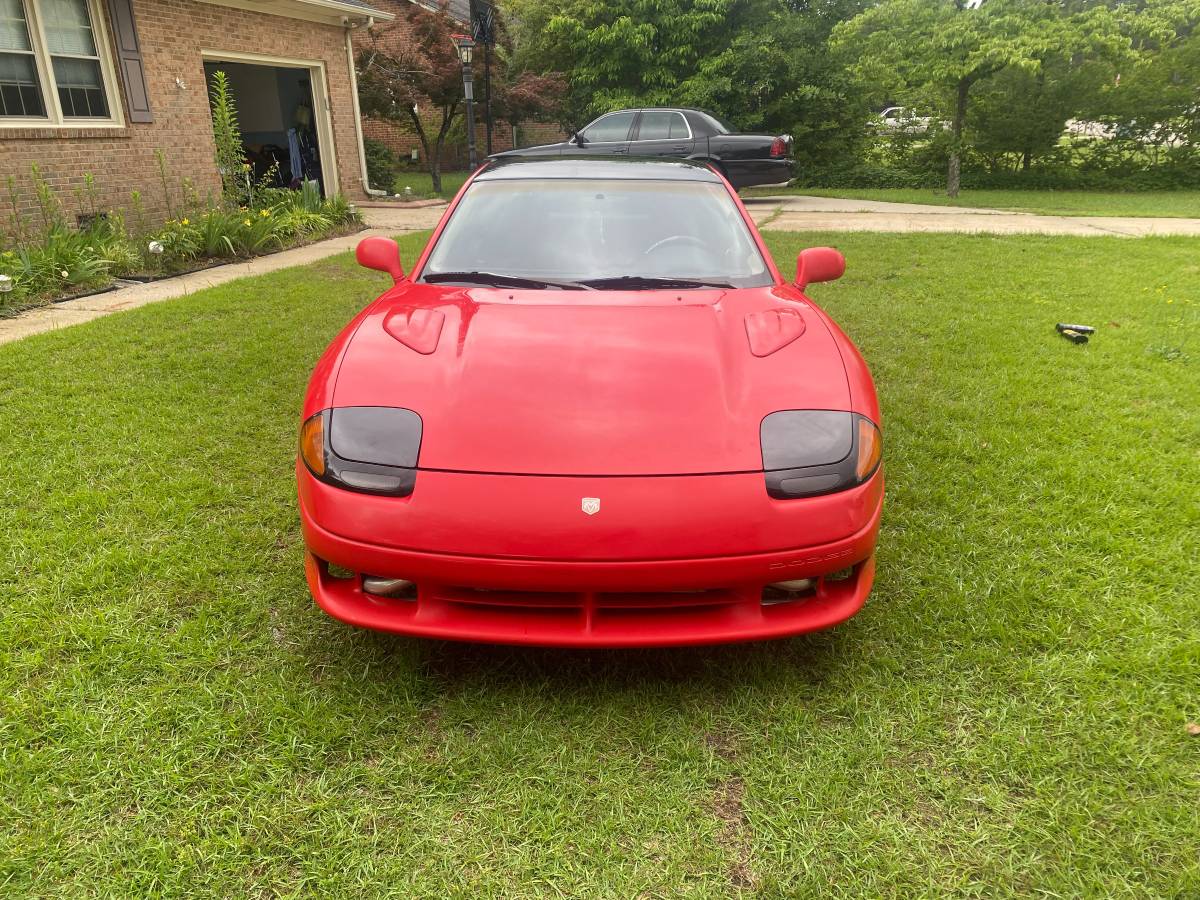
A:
20	92
53	64
76	61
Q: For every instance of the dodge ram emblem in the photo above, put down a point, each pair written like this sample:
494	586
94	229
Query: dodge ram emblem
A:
591	505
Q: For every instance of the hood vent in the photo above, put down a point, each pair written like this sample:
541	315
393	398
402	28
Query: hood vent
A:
419	329
773	329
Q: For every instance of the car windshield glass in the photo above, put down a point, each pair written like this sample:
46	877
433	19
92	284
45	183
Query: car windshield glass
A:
683	233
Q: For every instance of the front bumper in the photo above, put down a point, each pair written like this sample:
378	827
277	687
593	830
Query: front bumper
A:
577	602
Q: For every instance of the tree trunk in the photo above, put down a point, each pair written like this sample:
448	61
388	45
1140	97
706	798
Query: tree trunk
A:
1039	94
422	137
435	158
960	116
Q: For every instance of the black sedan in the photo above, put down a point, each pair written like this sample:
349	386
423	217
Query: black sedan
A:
745	159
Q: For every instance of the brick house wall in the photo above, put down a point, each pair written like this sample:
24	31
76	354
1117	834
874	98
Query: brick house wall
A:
172	34
402	138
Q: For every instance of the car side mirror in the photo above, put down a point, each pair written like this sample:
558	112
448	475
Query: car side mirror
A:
578	139
382	254
819	264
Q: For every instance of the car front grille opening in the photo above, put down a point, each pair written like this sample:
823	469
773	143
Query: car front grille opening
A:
841	574
390	588
789	591
608	602
341	573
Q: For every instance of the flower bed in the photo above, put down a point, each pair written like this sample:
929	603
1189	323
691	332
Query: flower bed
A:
59	262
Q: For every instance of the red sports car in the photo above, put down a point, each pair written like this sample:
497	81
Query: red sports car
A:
595	414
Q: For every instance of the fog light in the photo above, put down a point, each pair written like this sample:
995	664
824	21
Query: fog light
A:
788	591
396	588
796	585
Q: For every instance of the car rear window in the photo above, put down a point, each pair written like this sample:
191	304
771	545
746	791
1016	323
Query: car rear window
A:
583	229
718	126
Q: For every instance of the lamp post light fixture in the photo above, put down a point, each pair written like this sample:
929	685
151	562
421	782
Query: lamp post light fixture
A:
465	46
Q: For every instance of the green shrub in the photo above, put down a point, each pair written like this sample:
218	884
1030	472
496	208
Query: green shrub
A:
257	231
63	261
339	211
57	259
180	241
294	222
310	196
381	164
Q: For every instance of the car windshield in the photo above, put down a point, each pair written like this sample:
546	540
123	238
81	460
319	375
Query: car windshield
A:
597	233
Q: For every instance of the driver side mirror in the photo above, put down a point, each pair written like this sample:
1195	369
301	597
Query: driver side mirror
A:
819	264
577	139
382	254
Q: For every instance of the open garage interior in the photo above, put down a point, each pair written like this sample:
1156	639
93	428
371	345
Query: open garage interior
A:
279	118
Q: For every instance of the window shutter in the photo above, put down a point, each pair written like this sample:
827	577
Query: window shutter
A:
129	58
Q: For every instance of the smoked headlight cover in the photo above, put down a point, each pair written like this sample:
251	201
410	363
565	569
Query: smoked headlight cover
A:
808	452
371	449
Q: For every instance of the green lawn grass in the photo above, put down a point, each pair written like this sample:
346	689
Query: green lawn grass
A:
1173	204
422	184
1007	717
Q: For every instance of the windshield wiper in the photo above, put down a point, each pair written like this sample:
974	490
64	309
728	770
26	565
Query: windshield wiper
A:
649	282
495	279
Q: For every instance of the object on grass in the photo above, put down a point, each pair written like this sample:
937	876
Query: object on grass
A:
1075	337
1082	329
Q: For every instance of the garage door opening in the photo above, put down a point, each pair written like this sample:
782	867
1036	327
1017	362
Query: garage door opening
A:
281	120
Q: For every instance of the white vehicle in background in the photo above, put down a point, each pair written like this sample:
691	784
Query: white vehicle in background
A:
904	118
1097	130
1156	135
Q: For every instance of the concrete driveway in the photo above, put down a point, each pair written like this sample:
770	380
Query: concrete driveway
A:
801	213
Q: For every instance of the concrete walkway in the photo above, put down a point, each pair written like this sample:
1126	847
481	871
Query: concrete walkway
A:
385	221
801	213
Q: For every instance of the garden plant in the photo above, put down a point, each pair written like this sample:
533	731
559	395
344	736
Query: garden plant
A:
45	258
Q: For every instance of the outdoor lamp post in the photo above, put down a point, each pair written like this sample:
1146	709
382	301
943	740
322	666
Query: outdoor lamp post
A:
465	45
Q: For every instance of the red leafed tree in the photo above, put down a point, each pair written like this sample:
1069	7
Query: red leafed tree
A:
525	95
411	63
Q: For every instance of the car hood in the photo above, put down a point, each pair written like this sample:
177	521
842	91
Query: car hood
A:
592	383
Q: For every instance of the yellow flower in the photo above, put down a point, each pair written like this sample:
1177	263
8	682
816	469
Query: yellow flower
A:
246	222
184	222
264	213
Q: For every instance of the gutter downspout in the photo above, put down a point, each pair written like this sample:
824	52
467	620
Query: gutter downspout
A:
362	150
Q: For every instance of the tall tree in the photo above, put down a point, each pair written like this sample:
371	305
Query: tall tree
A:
412	62
777	74
621	52
1019	114
1156	102
941	50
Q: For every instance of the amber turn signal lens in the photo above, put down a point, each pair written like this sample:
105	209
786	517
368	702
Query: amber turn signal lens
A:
870	448
312	443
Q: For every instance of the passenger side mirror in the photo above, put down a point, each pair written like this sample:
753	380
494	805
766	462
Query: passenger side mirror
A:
382	254
819	264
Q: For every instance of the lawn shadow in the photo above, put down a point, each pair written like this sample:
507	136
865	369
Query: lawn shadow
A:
451	667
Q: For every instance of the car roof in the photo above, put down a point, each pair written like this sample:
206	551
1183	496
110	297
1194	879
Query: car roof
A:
511	168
